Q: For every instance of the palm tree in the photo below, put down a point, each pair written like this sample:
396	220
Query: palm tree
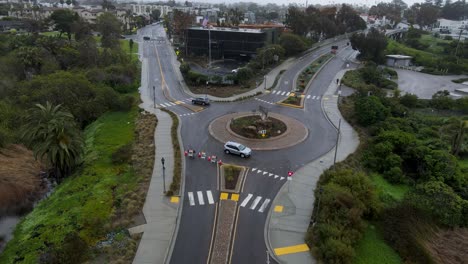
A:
53	136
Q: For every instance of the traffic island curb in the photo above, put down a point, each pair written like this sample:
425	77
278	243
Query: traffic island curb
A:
222	237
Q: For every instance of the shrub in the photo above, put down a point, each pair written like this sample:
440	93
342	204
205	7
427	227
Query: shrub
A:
292	44
196	78
448	38
122	154
370	110
184	68
409	100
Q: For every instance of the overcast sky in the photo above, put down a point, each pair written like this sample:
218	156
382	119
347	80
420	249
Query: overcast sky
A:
322	2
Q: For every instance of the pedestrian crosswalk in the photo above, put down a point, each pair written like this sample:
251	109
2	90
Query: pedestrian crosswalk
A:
169	104
198	198
263	101
256	204
287	93
267	174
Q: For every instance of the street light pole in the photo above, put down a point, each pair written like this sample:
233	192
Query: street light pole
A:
154	96
337	139
164	175
268	257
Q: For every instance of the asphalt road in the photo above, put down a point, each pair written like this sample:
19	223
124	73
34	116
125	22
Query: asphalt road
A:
194	235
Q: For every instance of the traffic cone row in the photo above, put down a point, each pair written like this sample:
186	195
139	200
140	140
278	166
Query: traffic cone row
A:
203	155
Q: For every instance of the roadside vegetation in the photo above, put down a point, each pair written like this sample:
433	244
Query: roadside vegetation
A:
174	188
405	186
70	100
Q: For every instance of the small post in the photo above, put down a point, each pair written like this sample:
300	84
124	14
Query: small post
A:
268	257
337	139
154	96
264	81
164	175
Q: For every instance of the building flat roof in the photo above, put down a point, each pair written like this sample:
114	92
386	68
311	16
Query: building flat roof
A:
243	30
400	57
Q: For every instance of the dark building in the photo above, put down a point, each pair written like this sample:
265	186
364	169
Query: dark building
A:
228	42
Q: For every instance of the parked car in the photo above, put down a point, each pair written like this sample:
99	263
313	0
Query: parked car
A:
201	101
146	38
232	147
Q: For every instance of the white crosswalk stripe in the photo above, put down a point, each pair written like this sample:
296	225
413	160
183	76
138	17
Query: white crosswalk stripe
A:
273	92
313	98
254	169
264	205
318	97
200	198
283	93
255	202
246	200
191	199
287	94
210	197
259	171
308	96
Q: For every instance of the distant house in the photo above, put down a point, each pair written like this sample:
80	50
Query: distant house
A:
405	25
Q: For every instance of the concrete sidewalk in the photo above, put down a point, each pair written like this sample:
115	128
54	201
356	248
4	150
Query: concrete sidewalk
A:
291	211
160	214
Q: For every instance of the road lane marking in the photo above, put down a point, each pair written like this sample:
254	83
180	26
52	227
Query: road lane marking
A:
235	197
273	92
210	197
318	97
288	93
282	178
191	199
264	205
223	196
246	200
254	169
270	174
200	198
278	209
265	172
259	171
313	98
255	202
291	249
174	199
308	96
172	104
283	93
276	176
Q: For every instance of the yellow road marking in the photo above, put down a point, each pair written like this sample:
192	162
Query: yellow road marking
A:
235	197
175	199
325	98
291	249
292	94
302	95
224	196
178	102
278	208
267	91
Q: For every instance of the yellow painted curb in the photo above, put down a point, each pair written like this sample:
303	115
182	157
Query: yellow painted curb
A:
235	197
291	249
175	199
224	196
278	208
178	102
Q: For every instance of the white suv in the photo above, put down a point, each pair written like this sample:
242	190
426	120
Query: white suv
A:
236	148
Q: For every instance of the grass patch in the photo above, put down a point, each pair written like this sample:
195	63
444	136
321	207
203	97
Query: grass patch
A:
231	175
396	191
435	45
86	202
373	249
293	100
308	73
174	188
125	45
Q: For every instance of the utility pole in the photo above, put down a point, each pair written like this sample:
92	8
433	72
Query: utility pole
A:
337	139
209	46
164	175
154	96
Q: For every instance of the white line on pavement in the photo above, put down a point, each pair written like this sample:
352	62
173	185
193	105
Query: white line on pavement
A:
273	92
210	197
282	178
264	205
255	202
283	93
246	200
287	94
318	97
265	172
254	169
191	200
259	171
200	198
271	174
313	98
308	96
276	176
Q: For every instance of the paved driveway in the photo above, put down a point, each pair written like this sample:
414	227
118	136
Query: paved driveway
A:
425	85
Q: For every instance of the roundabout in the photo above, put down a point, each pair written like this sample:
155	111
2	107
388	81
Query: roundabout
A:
272	133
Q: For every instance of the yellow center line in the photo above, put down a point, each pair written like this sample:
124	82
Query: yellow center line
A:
291	249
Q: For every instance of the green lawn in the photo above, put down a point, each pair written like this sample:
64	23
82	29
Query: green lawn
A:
125	45
432	42
84	202
463	163
372	249
397	191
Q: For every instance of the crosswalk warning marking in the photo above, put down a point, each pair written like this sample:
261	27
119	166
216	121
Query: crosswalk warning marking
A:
246	200
308	96
210	197
313	98
223	196
265	172
175	199
255	202
264	205
276	176
200	198
270	174
259	171
283	93
235	197
278	209
282	178
254	169
288	93
191	199
273	92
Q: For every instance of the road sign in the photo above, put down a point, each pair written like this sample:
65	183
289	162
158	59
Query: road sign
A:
290	174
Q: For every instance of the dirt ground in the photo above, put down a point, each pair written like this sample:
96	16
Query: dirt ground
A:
450	246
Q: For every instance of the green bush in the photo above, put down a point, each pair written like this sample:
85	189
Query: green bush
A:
196	78
292	44
370	110
244	74
184	68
